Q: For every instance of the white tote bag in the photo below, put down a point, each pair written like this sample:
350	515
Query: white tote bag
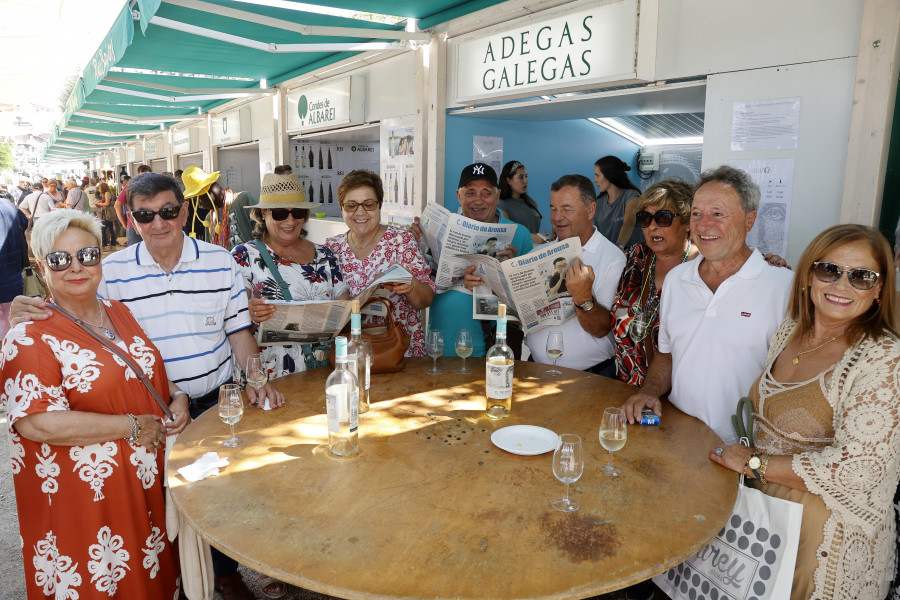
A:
752	557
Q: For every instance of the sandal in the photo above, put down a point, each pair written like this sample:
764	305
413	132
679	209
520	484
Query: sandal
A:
232	587
266	585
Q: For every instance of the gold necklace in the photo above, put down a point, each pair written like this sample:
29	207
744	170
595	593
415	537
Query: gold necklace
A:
371	239
822	345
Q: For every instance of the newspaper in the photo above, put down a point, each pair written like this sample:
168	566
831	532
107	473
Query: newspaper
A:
449	235
306	322
532	285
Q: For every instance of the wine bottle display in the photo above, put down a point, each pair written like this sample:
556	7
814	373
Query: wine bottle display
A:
311	159
330	194
303	155
321	166
329	158
321	191
499	377
312	195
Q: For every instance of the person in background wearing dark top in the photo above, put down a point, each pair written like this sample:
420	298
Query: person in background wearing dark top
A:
131	234
617	200
12	225
515	202
178	180
557	282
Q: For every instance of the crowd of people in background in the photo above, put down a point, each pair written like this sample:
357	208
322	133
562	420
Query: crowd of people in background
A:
667	297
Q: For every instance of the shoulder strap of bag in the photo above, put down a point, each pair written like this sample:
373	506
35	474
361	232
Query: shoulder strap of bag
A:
264	252
742	420
118	351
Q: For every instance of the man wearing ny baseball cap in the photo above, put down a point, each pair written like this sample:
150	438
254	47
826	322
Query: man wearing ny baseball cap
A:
478	196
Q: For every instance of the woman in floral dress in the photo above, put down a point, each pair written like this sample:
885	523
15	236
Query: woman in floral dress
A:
310	271
86	437
369	248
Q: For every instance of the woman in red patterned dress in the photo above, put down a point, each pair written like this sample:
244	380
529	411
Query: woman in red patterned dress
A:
87	439
664	214
369	248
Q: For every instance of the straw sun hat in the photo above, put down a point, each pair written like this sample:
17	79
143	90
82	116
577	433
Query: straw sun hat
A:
282	191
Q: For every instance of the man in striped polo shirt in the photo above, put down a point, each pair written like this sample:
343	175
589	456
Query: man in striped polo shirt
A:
188	296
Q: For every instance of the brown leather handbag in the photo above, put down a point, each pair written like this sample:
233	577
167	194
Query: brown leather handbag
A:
389	340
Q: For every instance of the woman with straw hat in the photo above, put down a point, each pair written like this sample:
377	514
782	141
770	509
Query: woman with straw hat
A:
311	271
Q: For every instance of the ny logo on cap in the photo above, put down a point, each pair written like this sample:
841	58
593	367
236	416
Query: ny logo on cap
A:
478	170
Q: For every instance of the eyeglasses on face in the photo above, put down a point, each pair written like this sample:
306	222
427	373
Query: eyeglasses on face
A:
62	260
166	213
663	218
368	205
483	194
861	279
280	214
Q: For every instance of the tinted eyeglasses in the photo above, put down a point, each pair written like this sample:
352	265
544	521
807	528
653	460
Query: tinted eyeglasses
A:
280	214
62	260
663	218
861	279
166	213
369	205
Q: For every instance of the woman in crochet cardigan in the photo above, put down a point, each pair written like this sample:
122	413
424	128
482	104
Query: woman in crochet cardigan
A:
827	409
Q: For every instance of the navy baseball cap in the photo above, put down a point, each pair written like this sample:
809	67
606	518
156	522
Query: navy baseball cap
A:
478	171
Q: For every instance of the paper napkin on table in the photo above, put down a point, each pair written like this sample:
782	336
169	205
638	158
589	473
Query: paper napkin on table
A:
205	466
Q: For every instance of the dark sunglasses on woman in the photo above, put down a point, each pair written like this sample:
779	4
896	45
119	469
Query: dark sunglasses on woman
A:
62	260
663	218
280	214
145	216
861	279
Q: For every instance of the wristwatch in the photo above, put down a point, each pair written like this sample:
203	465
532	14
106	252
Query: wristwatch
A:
753	463
586	306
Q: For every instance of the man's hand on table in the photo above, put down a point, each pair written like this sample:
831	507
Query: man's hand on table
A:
276	398
636	403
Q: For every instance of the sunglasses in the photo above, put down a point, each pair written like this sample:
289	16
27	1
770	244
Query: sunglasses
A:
663	218
351	207
62	260
861	279
280	214
145	216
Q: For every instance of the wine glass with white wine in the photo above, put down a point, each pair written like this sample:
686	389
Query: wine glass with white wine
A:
231	409
568	465
435	348
256	373
464	348
555	349
613	434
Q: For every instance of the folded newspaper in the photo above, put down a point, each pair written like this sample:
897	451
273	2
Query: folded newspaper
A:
533	285
305	322
449	235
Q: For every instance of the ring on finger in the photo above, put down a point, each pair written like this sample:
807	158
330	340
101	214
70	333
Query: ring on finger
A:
719	451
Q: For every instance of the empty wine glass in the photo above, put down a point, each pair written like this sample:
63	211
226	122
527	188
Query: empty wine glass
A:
435	348
231	409
555	349
613	434
464	348
568	464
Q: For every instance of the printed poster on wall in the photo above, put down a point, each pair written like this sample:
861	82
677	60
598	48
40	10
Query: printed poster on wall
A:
322	163
766	124
775	178
398	170
488	150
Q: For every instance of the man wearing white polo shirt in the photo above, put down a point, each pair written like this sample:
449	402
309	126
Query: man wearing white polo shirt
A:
189	297
718	312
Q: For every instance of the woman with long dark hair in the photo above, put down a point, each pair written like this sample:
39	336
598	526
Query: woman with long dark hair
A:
515	203
617	200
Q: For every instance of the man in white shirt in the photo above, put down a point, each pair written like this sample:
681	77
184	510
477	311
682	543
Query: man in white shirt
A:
591	282
74	195
717	313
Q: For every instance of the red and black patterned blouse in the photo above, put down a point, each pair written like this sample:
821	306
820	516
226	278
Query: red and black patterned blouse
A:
631	356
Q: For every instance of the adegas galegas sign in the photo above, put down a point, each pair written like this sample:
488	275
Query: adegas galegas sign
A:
551	51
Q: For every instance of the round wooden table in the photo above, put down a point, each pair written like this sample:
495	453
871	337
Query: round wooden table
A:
430	508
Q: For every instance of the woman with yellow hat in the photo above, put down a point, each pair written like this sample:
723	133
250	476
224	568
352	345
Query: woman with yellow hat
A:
311	271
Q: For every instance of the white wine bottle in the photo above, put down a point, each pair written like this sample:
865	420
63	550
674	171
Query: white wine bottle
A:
499	362
342	405
359	357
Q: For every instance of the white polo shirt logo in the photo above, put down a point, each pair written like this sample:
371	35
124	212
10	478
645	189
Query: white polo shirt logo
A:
477	170
210	321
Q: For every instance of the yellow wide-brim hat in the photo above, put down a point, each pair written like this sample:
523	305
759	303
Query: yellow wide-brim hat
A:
197	181
282	191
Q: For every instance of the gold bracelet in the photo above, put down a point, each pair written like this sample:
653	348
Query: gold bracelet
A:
763	465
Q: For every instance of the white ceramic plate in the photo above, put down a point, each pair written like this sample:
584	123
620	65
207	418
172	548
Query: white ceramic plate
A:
527	440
